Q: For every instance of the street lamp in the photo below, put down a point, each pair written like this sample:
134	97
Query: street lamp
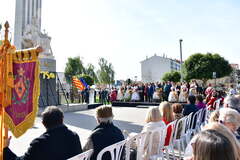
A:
180	42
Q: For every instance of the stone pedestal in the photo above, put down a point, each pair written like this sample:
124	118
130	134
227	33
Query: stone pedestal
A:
48	92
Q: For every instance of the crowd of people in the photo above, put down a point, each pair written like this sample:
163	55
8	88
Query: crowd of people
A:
219	139
158	92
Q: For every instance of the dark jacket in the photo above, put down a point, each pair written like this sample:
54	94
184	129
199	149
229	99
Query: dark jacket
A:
189	108
105	135
58	143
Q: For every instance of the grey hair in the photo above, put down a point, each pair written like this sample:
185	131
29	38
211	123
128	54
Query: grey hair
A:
232	101
229	115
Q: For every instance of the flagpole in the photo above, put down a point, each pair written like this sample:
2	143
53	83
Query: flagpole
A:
3	129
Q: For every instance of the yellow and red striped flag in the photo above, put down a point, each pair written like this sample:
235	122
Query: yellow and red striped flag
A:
77	83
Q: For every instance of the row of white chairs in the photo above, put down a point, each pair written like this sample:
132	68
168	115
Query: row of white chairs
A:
188	127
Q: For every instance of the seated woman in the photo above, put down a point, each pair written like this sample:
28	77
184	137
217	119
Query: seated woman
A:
231	119
212	145
167	117
212	100
220	129
177	114
199	102
154	121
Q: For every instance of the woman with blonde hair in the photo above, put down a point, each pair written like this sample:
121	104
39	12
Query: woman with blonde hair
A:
154	121
167	117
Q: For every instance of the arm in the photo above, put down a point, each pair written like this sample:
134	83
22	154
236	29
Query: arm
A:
88	145
31	154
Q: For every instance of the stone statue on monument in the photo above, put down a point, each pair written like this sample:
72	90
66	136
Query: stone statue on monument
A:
32	36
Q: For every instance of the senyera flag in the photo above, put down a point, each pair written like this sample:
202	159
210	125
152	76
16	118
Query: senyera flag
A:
21	113
77	83
84	82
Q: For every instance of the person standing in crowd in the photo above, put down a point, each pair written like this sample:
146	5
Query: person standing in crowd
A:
146	92
120	94
173	96
151	91
167	90
232	90
183	94
190	107
58	142
105	134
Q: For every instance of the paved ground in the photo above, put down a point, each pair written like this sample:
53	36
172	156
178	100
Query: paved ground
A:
82	122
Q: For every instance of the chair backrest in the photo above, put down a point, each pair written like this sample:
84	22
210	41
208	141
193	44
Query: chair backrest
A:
116	150
188	122
83	156
139	140
180	128
173	126
159	133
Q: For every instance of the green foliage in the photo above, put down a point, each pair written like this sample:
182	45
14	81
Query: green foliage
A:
201	66
106	72
90	71
73	67
173	76
88	79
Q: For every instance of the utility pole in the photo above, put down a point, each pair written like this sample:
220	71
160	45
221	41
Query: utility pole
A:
181	72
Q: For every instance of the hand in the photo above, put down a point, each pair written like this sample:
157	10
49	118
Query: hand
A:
7	141
39	49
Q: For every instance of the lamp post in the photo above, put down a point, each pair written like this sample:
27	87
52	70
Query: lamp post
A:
180	43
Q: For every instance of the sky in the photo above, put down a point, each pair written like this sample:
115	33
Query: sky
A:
125	32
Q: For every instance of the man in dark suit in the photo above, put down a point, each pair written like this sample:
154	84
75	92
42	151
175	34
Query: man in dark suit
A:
190	107
57	143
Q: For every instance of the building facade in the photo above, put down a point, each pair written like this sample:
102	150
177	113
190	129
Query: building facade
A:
153	68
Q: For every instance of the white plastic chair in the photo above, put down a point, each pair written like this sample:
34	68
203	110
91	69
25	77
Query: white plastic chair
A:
179	142
83	156
159	133
188	127
164	151
139	139
116	150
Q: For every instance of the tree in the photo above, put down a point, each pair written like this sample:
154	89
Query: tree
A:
88	79
106	72
73	67
90	71
173	76
201	66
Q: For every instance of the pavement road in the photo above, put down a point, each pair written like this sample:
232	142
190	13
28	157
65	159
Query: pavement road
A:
82	122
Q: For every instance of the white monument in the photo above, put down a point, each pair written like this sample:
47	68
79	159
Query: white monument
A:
27	33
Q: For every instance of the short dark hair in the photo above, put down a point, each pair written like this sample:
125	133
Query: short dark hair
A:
192	99
199	98
52	116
